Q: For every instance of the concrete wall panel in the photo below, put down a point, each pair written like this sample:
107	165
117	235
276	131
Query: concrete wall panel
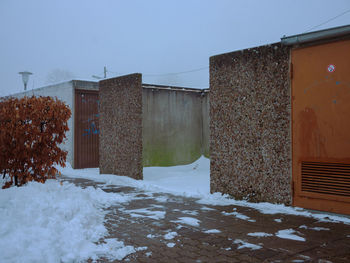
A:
172	126
205	124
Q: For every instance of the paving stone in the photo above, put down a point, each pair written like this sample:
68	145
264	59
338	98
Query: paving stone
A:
192	244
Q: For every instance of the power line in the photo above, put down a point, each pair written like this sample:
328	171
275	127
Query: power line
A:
329	20
178	73
167	74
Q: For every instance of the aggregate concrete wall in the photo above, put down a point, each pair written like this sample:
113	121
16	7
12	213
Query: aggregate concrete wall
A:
173	125
121	126
65	92
250	139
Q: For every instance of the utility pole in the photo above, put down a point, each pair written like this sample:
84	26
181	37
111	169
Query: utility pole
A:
104	74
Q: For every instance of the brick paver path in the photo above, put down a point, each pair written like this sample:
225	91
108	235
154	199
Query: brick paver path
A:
153	219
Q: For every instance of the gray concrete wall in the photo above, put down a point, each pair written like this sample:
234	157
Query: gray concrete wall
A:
205	123
250	141
173	120
65	92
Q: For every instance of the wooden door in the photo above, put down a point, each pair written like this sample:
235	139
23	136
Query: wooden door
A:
321	127
86	129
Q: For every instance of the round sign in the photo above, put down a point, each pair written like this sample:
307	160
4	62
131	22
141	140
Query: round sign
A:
331	68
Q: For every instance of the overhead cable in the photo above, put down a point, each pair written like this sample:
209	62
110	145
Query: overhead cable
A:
329	20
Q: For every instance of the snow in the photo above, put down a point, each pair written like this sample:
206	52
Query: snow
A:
141	248
113	249
197	184
239	215
190	212
196	176
146	212
259	234
170	235
60	222
188	221
212	231
269	208
55	222
314	228
243	244
278	220
166	179
204	208
289	234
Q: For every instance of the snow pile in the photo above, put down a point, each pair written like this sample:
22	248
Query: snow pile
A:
189	180
55	222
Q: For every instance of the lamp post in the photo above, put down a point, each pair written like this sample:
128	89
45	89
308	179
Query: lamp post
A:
25	77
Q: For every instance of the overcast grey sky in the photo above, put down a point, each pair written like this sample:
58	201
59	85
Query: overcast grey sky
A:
150	37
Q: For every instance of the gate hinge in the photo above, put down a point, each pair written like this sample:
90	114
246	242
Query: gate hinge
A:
291	71
293	188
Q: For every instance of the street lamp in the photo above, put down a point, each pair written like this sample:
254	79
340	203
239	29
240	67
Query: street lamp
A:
25	77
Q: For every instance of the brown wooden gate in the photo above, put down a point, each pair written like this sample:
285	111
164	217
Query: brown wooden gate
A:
321	126
86	129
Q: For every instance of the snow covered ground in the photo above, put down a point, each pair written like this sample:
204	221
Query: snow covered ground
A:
55	222
60	222
193	180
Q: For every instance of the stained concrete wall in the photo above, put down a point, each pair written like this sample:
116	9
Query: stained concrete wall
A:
173	125
250	139
205	123
65	92
121	126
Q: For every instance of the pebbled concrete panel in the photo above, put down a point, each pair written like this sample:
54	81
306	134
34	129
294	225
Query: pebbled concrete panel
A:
121	126
250	140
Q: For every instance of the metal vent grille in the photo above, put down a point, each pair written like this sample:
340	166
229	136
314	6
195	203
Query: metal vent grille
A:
326	178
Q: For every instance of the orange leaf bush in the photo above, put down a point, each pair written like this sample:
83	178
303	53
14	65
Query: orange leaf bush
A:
31	130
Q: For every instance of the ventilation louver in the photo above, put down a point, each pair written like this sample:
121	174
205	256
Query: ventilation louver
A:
326	178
